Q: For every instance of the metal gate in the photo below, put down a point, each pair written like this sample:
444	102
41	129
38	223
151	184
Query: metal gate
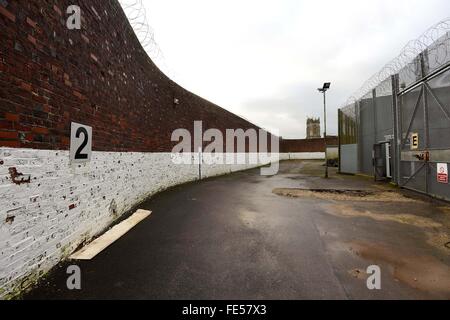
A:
424	143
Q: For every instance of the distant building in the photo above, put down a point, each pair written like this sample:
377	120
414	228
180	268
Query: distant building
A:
313	128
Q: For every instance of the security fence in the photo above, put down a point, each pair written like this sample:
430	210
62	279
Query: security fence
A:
348	139
397	126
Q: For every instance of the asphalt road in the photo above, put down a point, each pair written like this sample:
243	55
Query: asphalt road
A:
232	237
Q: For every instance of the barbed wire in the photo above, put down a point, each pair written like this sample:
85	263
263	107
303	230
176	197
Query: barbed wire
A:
435	42
137	16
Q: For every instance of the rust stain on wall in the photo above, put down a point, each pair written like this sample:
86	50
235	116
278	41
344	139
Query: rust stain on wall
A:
19	178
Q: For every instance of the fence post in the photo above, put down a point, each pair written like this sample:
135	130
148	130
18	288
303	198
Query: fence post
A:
200	160
359	135
396	125
397	141
339	138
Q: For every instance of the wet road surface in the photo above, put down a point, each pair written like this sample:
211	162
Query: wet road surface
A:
233	237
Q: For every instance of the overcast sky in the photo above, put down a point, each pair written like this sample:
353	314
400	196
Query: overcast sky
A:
264	60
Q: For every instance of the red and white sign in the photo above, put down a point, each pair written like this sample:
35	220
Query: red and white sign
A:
442	173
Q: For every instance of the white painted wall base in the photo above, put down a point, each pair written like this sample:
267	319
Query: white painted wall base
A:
303	156
64	205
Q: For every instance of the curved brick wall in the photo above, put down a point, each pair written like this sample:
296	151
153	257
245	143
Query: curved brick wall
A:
99	76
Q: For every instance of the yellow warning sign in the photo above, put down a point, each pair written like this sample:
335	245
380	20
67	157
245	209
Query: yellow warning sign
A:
414	141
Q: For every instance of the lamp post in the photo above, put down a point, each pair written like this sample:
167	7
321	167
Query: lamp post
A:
324	89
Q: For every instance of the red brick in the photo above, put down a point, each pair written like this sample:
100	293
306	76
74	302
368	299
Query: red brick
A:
10	143
94	57
65	141
31	23
21	127
32	39
26	86
5	124
57	10
10	135
39	130
78	95
12	117
86	39
7	14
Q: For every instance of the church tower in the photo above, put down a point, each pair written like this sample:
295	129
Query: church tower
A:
313	128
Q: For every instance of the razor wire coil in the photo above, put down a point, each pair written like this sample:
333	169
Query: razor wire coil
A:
138	18
435	42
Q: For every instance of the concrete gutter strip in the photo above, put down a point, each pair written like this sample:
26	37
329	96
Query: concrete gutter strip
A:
101	243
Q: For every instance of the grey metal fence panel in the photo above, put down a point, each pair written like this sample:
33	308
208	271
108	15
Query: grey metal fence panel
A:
349	158
384	111
412	113
438	102
409	97
348	138
367	131
414	174
412	171
425	113
438	99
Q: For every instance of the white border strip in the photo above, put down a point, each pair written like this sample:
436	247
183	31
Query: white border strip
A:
101	243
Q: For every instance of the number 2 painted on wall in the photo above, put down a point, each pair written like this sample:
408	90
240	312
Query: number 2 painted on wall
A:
78	154
80	143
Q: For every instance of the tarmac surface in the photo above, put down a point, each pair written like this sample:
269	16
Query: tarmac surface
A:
247	236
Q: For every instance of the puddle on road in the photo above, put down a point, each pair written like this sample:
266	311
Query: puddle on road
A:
423	272
344	195
248	218
435	231
437	235
348	211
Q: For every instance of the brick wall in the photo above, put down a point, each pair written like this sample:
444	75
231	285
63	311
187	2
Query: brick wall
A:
99	76
306	145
